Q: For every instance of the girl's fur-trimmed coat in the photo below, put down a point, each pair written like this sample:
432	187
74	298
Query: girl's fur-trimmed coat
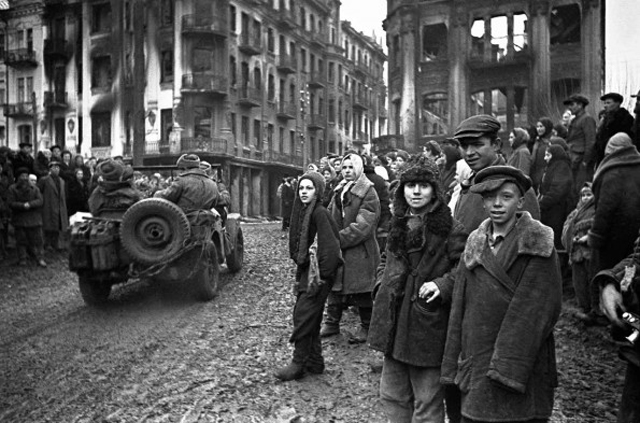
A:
403	325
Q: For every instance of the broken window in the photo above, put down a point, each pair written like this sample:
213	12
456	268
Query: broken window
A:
101	72
202	122
477	103
434	42
564	24
101	17
507	34
435	114
101	129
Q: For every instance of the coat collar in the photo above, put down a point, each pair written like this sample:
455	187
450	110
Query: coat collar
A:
627	156
534	239
361	186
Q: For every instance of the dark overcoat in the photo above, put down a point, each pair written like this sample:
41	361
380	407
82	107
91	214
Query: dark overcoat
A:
616	188
556	193
357	218
192	190
22	217
54	209
403	325
500	349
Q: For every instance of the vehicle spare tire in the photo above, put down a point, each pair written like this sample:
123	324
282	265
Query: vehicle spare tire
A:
153	230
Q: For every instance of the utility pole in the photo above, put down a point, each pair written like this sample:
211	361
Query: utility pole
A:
139	82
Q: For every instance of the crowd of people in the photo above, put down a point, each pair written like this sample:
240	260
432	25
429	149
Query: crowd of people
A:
454	259
38	196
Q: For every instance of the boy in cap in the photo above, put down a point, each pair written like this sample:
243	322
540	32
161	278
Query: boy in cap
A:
25	202
480	145
500	349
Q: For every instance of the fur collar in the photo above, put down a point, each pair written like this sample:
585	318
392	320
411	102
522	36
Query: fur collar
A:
360	186
534	239
438	221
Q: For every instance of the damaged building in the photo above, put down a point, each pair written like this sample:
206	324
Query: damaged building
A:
259	88
517	60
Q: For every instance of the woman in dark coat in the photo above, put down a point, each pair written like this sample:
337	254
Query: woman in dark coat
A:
556	192
77	193
41	164
415	280
356	209
78	163
311	228
520	157
544	128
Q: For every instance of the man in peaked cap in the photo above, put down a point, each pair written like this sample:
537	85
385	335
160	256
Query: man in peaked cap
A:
193	190
614	119
581	140
480	144
23	157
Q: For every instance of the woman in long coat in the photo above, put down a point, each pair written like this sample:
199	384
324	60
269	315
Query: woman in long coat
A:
556	191
77	193
415	280
356	209
520	157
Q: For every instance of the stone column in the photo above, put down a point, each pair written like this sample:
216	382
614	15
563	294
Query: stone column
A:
458	48
511	97
540	76
592	53
408	107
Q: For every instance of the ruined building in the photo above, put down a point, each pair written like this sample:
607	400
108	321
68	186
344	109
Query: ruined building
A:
516	59
259	88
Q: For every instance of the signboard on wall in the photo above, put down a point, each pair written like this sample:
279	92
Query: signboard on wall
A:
101	152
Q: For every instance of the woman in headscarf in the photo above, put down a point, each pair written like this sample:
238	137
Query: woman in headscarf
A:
356	209
331	180
313	233
544	128
556	191
520	157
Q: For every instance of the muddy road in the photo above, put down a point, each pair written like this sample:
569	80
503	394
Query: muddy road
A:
153	354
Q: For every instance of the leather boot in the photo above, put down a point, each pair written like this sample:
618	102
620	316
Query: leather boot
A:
333	316
295	370
315	363
361	335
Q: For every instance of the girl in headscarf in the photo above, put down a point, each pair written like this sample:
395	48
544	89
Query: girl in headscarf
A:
556	191
544	128
520	157
311	228
356	209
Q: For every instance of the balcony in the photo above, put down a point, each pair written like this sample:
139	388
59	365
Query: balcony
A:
152	147
286	19
360	101
205	25
57	48
362	69
316	122
276	157
21	58
287	64
19	110
205	83
319	38
250	43
361	138
55	99
206	145
317	80
286	110
249	97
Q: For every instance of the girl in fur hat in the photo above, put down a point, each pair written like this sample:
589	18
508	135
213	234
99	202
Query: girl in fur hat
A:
312	227
413	295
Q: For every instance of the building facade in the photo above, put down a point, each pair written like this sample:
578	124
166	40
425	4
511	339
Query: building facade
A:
258	88
517	60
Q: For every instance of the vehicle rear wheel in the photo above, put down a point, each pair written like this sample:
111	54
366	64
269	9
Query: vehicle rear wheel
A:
207	277
94	291
235	259
153	230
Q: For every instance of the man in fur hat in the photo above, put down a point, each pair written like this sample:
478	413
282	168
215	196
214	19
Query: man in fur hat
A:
500	350
193	189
